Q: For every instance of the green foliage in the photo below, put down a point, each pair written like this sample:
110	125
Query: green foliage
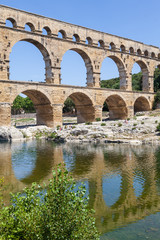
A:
1	188
57	212
157	80
88	123
119	124
137	81
98	119
69	105
156	100
113	83
21	103
103	124
158	128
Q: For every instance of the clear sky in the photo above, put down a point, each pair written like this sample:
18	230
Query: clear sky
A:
138	20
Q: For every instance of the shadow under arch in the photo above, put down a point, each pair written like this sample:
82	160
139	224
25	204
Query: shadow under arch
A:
42	105
121	70
88	65
117	107
141	104
145	74
84	107
45	54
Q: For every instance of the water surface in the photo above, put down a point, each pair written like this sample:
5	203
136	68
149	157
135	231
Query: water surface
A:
122	181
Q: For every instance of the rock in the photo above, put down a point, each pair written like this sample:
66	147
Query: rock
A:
77	132
4	134
15	134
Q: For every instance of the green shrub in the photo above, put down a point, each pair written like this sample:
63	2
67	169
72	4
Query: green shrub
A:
103	124
58	127
158	128
119	124
88	123
57	212
135	124
142	122
128	119
156	121
98	119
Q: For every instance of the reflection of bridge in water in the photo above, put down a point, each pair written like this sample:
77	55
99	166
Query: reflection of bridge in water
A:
95	163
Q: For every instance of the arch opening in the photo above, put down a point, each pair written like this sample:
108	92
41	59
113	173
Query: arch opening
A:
76	68
46	31
29	27
10	22
113	73
62	34
141	104
83	107
89	41
112	46
33	65
140	76
122	48
34	101
117	107
76	38
131	50
157	79
101	43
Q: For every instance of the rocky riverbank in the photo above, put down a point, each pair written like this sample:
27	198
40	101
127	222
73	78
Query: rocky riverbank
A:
139	130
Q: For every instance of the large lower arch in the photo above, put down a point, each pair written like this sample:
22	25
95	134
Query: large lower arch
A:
45	54
117	107
42	105
121	70
141	104
88	65
84	107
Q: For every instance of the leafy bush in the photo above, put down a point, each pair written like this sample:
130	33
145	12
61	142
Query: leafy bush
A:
119	124
57	212
103	124
156	100
98	119
158	128
88	123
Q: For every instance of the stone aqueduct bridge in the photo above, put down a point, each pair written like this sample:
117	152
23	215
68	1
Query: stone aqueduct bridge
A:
49	97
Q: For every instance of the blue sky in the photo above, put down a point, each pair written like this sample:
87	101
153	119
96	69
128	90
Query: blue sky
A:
138	20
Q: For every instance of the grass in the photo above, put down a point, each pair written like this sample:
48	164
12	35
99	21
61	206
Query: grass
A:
23	120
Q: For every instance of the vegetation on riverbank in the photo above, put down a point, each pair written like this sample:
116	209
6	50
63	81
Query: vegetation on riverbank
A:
57	211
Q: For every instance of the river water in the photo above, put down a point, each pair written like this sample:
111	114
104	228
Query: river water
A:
122	181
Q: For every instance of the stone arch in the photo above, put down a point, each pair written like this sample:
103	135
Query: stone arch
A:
48	30
139	52
145	74
45	54
131	50
42	104
84	106
76	38
31	26
88	64
153	55
117	107
141	104
63	34
112	46
101	43
89	41
121	70
13	22
146	53
122	48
